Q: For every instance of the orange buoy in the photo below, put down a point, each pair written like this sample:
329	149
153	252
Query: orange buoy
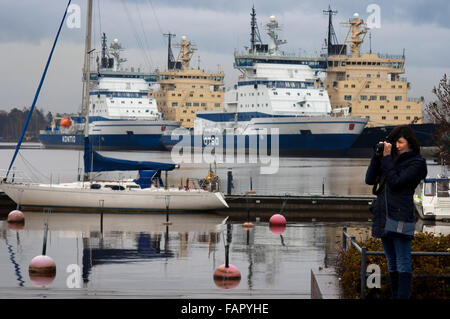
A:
65	122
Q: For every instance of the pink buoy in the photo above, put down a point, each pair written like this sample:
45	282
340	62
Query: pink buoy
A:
16	216
247	225
42	270
277	219
277	229
227	277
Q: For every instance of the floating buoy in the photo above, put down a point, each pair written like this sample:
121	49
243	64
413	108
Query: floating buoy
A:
16	226
277	229
42	270
16	216
247	225
227	277
252	191
277	219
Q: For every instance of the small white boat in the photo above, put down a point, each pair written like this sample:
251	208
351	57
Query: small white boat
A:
433	200
123	195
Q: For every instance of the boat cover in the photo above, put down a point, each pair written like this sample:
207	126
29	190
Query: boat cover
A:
94	162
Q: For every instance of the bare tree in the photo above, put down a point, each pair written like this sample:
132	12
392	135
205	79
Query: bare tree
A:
439	111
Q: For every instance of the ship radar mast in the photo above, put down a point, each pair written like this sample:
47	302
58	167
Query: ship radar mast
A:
116	47
359	30
186	52
274	41
255	37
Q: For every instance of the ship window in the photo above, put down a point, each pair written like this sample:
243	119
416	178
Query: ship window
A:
408	117
398	98
382	97
383	117
123	102
395	107
395	117
381	107
363	97
305	132
347	97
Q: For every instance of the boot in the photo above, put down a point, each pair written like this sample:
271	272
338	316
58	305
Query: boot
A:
393	277
404	285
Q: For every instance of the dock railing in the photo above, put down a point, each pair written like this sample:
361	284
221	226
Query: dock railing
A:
364	253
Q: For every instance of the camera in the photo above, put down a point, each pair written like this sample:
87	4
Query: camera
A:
379	148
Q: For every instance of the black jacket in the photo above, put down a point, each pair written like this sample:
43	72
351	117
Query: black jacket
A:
401	177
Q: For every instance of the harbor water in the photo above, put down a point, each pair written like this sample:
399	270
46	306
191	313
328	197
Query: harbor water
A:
138	255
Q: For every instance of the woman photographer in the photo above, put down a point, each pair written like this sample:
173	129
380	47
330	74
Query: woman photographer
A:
397	168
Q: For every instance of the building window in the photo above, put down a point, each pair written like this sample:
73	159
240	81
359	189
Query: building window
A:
353	86
345	85
363	97
408	118
217	104
382	97
373	97
366	107
367	86
174	103
398	98
347	97
408	107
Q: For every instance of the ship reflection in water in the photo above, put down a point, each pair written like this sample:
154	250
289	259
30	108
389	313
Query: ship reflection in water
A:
140	255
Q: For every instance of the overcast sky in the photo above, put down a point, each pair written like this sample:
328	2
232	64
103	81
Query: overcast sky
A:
28	28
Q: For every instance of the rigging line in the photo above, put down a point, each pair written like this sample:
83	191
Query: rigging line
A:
136	35
145	35
149	2
19	143
32	168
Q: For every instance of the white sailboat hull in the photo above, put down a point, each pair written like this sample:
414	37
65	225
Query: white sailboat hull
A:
80	195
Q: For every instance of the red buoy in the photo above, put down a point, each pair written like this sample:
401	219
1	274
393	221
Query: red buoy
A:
277	219
16	216
42	270
227	277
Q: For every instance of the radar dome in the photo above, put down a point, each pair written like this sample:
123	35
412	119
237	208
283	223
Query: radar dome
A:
355	15
272	18
116	41
183	37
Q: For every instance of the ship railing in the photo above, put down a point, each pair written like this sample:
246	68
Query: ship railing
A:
390	56
16	176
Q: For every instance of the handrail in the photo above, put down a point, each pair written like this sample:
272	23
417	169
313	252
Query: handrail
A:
364	252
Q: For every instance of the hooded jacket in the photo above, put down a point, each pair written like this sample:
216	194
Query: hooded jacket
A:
401	175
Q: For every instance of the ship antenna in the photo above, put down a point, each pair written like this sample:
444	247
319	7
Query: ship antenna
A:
254	36
332	39
170	58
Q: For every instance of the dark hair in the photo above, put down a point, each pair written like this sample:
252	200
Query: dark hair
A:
408	134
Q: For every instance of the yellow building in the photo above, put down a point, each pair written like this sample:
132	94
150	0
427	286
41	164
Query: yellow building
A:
370	84
184	91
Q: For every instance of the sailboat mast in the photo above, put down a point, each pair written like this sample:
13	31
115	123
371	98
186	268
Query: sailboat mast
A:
87	69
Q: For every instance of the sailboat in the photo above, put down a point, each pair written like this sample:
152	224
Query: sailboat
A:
134	194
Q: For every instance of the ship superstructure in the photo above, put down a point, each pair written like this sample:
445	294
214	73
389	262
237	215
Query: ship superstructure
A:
370	83
123	112
184	90
283	92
